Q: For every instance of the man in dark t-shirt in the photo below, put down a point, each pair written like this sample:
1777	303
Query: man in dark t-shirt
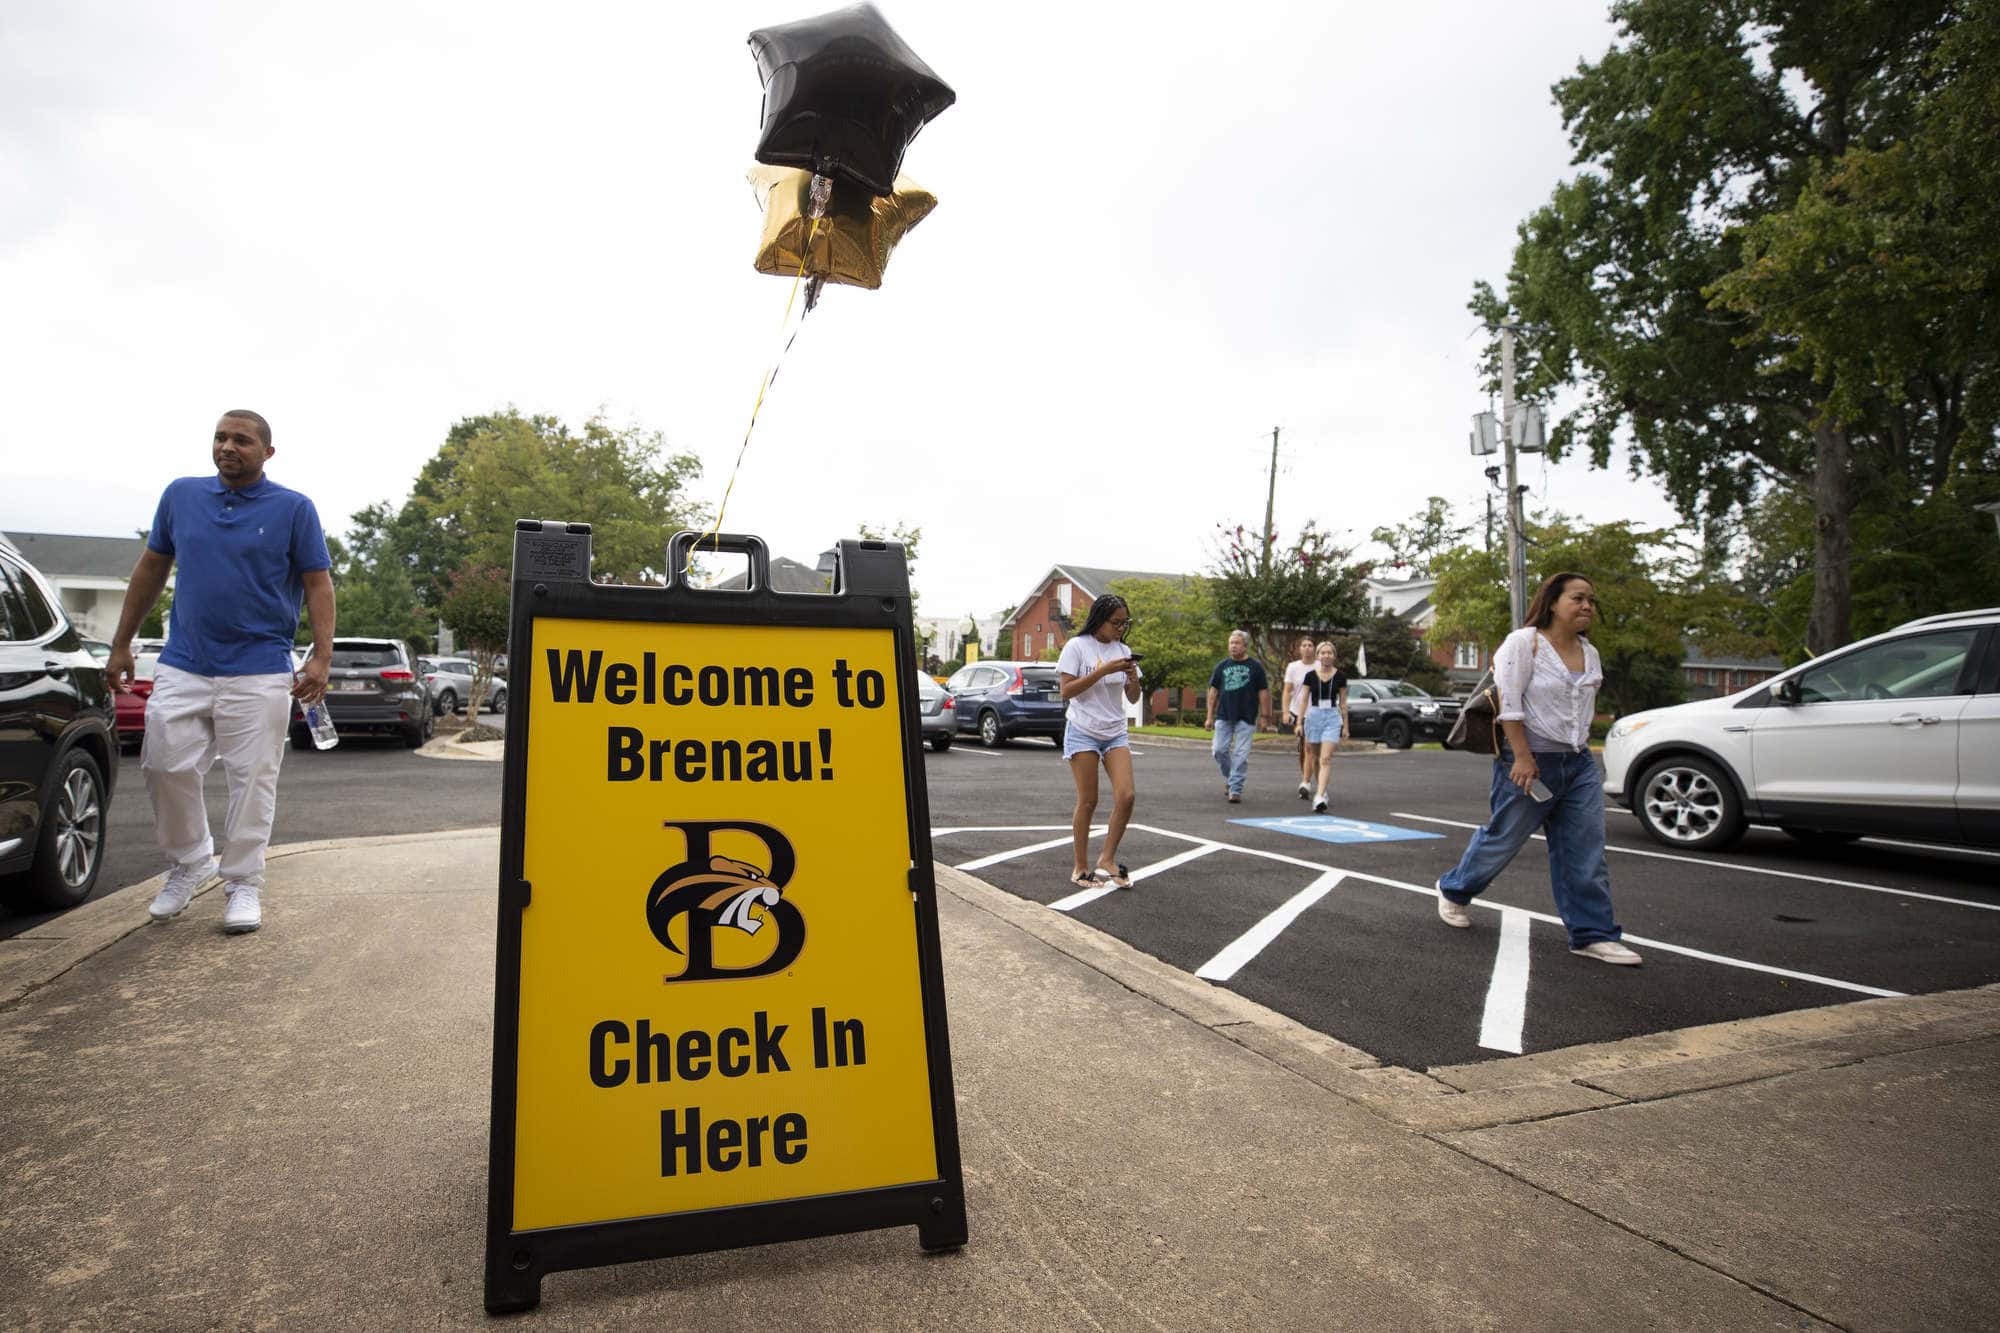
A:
1238	694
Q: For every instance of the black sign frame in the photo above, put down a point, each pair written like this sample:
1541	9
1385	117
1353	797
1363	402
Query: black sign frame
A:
870	591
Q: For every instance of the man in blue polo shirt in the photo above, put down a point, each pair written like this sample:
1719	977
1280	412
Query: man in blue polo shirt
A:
249	552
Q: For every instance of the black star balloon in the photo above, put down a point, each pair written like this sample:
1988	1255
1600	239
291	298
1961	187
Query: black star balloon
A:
843	96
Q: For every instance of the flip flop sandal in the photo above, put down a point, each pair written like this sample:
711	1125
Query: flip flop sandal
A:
1089	881
1119	879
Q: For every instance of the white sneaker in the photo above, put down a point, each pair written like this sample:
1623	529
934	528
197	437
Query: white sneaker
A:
182	881
1319	805
1305	792
244	914
1610	951
1454	914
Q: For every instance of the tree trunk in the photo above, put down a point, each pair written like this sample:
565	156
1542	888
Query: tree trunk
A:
1833	504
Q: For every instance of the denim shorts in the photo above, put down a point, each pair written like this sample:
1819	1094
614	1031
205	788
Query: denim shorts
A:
1322	724
1076	743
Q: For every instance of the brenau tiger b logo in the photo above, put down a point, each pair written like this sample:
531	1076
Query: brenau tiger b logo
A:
720	893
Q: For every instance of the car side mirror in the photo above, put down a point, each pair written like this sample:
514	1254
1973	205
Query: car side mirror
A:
1785	691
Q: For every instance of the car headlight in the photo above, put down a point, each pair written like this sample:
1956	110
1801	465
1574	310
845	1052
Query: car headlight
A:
1427	709
1624	727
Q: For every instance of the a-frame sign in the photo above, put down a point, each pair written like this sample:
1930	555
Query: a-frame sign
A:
719	1011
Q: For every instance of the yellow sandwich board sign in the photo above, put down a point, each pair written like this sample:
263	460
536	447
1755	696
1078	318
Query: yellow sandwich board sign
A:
719	1014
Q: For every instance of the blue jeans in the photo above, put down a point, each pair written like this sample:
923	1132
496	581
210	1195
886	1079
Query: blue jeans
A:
1232	752
1573	819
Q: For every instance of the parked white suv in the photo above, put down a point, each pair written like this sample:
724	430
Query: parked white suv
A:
1898	735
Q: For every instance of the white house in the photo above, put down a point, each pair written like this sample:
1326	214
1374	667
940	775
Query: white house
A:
89	574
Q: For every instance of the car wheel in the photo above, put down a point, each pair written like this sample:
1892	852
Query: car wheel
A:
989	730
1688	803
499	704
302	739
940	743
420	732
70	850
1822	838
447	703
1396	734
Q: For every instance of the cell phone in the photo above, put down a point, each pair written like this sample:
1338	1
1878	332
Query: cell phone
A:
1540	792
1134	657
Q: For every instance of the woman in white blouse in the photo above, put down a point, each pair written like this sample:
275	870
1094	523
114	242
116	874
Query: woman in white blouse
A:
1544	776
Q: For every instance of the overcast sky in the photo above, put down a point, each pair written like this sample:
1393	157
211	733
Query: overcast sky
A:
1160	234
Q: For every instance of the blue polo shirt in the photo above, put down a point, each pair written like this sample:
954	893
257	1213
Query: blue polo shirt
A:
241	558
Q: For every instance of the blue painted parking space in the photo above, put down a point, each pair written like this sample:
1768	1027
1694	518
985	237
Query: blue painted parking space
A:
1334	828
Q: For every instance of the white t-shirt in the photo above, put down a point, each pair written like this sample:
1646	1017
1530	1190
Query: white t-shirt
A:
1099	710
1295	684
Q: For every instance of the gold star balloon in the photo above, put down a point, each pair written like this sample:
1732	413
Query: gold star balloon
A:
851	245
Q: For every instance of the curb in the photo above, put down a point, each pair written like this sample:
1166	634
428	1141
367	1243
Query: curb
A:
34	958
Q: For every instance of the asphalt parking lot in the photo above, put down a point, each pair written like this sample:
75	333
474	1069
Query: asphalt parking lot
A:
1343	934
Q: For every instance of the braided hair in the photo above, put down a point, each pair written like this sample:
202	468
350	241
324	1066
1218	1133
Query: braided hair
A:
1101	611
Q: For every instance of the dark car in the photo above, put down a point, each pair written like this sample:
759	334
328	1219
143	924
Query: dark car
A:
372	689
934	711
997	701
1396	713
58	747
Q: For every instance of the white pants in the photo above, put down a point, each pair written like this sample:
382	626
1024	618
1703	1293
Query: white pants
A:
191	721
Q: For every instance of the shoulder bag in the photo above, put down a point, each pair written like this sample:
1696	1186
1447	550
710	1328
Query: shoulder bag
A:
1473	732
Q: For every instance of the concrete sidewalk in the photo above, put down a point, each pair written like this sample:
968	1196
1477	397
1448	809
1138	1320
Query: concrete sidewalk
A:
289	1129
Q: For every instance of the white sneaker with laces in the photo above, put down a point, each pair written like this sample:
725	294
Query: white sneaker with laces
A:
244	913
1451	913
181	883
1319	805
1609	951
1305	792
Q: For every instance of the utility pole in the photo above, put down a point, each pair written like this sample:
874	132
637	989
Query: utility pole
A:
1270	503
1517	566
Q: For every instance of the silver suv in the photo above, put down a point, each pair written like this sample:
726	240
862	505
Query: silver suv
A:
1897	735
450	681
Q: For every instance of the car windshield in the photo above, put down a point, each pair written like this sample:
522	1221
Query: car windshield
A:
1399	689
927	687
425	664
364	655
1040	678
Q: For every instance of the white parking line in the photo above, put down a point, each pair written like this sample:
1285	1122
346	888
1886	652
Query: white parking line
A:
1254	940
1082	896
1746	869
1430	891
967	749
1947	849
982	862
1507	993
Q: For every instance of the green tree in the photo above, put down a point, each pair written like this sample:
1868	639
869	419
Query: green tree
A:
376	595
1309	586
1414	544
1653	594
1398	652
478	610
1714	275
496	468
1176	625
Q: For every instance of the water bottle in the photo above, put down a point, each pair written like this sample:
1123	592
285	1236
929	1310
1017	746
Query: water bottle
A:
321	726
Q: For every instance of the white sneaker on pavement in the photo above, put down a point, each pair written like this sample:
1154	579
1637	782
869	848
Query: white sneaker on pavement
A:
1319	805
244	913
1451	913
182	881
1610	951
1305	792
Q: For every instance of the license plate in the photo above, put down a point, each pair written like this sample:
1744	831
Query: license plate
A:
353	686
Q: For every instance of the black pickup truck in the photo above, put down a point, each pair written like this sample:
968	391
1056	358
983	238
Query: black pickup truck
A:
1396	713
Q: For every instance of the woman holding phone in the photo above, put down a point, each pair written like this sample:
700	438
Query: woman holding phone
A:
1544	776
1099	675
